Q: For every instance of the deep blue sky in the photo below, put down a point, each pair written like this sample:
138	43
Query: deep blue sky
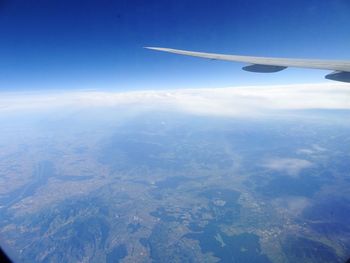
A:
49	44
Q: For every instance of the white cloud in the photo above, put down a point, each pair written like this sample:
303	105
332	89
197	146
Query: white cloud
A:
220	101
290	166
306	151
315	149
293	205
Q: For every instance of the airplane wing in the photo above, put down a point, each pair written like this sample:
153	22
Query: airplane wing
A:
341	69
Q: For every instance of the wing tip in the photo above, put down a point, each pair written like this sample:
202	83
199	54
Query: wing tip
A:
157	48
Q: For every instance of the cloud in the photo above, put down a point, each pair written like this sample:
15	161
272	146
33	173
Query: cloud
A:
315	149
306	151
221	101
292	205
290	166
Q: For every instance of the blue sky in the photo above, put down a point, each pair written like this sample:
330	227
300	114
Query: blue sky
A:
98	44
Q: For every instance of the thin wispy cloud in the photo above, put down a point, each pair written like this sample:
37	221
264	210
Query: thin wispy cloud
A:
314	149
289	166
292	205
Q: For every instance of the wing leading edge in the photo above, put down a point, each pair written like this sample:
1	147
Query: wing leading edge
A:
267	65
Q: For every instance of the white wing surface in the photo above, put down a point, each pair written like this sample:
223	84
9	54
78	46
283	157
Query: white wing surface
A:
267	64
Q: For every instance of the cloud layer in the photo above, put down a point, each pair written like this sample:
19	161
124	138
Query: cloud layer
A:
221	101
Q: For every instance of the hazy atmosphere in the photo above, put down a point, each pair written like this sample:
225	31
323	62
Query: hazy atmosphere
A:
110	152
